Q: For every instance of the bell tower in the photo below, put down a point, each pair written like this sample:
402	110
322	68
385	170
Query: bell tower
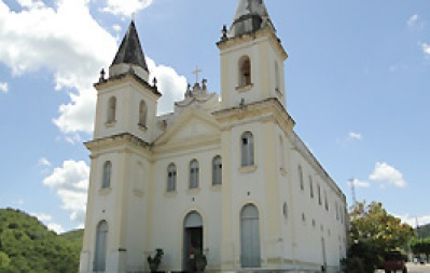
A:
252	57
125	126
127	102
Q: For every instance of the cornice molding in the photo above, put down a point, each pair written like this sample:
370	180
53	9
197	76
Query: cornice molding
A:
270	108
226	44
115	141
127	77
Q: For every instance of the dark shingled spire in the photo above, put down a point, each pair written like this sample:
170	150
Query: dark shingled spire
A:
250	16
130	50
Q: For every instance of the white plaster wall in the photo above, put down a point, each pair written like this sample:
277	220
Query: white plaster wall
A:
170	209
309	248
262	55
128	97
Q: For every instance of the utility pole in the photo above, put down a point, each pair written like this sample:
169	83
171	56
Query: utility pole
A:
352	184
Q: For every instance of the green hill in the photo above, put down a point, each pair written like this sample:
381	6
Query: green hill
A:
424	231
26	245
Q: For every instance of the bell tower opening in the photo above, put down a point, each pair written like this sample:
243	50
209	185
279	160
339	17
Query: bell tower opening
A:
244	72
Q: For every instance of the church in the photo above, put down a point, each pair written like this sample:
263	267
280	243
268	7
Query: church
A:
223	175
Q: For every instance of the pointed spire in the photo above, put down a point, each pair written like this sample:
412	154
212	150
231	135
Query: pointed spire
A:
130	50
130	57
251	15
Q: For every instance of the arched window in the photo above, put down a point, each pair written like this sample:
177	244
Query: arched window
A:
277	78
107	173
300	171
244	71
337	210
319	195
342	211
325	200
143	111
171	177
247	149
217	171
194	174
101	244
311	186
285	210
111	114
281	153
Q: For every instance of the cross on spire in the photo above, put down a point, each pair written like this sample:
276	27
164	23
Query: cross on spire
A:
196	72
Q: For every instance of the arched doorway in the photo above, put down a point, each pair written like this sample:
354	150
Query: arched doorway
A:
193	240
250	237
101	244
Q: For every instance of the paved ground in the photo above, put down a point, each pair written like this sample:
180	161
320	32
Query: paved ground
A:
413	268
418	268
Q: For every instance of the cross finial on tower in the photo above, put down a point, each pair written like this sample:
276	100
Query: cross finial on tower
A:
196	72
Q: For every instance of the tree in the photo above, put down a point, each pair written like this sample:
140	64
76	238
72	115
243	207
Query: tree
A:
421	246
373	233
4	262
26	245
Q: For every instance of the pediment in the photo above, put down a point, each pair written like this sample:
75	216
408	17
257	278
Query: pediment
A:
190	126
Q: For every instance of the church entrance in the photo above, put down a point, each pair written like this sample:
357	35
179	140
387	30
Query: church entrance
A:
193	241
101	243
250	237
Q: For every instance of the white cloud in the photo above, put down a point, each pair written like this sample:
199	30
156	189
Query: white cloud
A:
70	182
387	174
358	183
44	162
78	115
125	8
170	83
51	39
47	220
413	20
4	87
74	51
426	48
355	136
116	28
31	4
412	220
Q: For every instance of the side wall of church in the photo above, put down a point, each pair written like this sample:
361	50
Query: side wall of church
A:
310	221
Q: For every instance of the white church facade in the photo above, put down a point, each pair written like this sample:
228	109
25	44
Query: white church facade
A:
223	174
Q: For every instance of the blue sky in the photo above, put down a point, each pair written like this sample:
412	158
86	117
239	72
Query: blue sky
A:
358	86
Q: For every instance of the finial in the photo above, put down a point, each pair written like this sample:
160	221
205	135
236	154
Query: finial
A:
188	93
133	16
155	82
102	75
224	33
